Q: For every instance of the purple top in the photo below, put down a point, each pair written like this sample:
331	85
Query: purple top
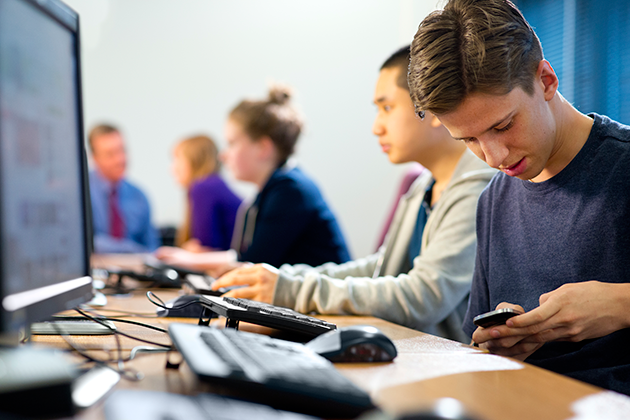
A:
213	212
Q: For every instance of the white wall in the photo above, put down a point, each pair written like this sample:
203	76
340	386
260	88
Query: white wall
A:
164	69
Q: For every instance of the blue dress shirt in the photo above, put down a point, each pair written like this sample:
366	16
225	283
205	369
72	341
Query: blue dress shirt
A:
140	236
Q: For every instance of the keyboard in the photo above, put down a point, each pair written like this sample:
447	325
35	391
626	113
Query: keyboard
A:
283	374
152	405
265	314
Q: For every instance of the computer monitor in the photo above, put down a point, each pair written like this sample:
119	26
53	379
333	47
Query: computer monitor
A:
45	227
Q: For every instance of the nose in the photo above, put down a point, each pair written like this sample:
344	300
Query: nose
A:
378	129
494	152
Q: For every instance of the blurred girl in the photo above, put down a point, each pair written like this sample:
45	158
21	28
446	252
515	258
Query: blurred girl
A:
288	222
210	206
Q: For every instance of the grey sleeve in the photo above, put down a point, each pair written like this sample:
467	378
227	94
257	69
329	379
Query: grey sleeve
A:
363	267
439	280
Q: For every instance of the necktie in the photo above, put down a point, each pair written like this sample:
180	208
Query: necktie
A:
116	222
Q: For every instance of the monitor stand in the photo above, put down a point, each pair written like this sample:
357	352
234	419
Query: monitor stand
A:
99	299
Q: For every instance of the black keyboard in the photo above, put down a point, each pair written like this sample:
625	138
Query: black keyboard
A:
283	374
235	310
152	405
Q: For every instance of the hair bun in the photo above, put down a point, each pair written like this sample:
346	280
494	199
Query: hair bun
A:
279	95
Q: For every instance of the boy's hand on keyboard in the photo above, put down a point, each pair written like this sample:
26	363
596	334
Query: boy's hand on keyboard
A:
260	281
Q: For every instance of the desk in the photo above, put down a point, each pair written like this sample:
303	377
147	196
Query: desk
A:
427	368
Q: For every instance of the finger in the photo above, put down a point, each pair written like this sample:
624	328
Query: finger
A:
554	334
519	351
504	305
544	297
235	278
499	331
481	335
503	343
534	320
243	292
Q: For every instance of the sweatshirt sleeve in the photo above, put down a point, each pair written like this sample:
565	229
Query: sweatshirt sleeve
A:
438	282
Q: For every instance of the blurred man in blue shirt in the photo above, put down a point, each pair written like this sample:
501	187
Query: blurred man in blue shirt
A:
120	211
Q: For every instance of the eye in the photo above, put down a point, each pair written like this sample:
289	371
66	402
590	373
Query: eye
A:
505	128
387	108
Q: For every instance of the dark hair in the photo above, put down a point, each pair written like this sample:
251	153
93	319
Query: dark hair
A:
471	46
99	130
399	59
273	117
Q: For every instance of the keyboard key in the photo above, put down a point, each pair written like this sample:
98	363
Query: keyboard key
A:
284	374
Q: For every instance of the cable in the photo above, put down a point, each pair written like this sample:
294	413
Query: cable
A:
168	346
127	373
114	319
160	303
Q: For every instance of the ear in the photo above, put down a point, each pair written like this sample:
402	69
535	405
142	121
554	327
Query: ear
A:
266	147
547	77
432	119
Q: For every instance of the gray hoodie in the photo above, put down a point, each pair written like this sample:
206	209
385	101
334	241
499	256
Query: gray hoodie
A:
431	296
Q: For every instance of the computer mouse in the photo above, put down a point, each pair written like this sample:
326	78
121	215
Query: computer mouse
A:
357	343
185	306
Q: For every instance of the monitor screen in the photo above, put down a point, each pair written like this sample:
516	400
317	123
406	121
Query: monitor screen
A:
44	231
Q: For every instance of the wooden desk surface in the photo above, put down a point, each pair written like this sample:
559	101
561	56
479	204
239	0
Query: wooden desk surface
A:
427	368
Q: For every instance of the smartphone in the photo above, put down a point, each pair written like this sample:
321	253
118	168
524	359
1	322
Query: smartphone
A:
496	317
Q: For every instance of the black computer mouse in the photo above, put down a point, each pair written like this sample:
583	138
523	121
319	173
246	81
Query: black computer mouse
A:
185	306
358	343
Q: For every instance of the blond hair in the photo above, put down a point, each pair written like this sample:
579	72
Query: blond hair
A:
471	46
202	156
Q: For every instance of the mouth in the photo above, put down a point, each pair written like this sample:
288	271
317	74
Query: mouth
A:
515	170
385	148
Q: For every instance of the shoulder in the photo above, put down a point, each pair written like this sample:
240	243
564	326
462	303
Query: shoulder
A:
210	183
606	128
293	181
472	169
132	190
471	177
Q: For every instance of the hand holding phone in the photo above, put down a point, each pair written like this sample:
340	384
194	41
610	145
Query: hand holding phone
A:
496	317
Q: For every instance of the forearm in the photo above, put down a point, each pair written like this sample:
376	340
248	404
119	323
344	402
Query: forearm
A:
363	267
405	299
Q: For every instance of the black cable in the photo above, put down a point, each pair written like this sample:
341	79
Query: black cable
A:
162	305
168	346
129	374
126	321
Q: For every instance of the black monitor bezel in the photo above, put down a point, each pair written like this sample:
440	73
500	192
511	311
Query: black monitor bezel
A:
43	309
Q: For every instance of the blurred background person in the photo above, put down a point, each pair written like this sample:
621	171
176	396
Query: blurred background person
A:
210	204
121	214
289	220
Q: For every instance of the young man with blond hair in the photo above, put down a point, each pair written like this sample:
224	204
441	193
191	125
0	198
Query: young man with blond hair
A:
553	228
